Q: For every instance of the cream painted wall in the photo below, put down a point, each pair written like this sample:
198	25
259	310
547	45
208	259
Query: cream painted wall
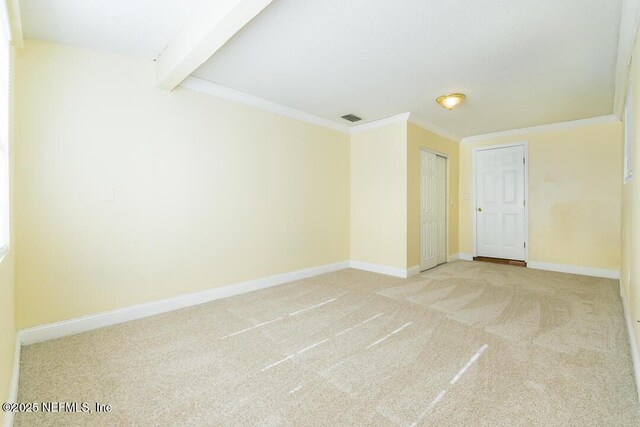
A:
207	192
574	195
7	287
630	271
418	138
379	196
7	326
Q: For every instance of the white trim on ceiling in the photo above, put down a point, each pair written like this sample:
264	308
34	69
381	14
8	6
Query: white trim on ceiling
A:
213	89
542	128
629	19
399	118
424	124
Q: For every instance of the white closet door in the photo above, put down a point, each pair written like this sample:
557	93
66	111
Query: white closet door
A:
441	209
428	241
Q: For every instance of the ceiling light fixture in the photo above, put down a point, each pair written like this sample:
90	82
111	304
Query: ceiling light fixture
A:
451	100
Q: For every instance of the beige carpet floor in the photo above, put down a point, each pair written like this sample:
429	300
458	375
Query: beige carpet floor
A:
465	344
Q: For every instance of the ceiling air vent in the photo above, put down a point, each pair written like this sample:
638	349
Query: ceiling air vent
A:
352	118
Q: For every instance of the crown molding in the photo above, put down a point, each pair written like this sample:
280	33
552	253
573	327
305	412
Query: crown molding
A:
213	89
542	128
629	19
399	118
424	124
208	88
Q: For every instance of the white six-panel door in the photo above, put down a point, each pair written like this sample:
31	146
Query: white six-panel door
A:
500	203
433	208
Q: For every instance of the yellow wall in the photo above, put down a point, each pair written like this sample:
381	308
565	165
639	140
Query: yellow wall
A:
7	286
379	196
574	195
206	188
207	192
417	138
630	272
7	326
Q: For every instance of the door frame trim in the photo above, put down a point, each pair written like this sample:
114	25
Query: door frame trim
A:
524	144
446	213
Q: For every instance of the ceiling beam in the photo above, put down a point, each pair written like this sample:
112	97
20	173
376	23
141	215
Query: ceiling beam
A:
11	21
16	22
202	36
629	18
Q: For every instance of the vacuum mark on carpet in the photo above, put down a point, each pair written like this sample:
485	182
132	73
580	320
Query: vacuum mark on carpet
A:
359	324
312	346
312	307
468	364
454	380
390	334
279	318
332	367
250	328
278	362
292	355
433	403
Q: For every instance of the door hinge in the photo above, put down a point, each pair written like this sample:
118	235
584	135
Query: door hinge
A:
523	160
524	203
525	244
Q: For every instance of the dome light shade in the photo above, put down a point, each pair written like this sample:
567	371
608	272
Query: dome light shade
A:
451	100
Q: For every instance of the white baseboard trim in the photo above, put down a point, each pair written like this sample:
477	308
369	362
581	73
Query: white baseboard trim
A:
379	268
453	257
100	320
635	356
13	386
413	271
575	269
561	268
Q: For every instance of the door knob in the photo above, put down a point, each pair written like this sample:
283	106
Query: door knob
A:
479	209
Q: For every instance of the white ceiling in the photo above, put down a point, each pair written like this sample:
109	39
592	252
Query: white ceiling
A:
131	27
521	63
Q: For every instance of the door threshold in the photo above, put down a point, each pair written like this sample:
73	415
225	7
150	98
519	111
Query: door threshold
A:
505	261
